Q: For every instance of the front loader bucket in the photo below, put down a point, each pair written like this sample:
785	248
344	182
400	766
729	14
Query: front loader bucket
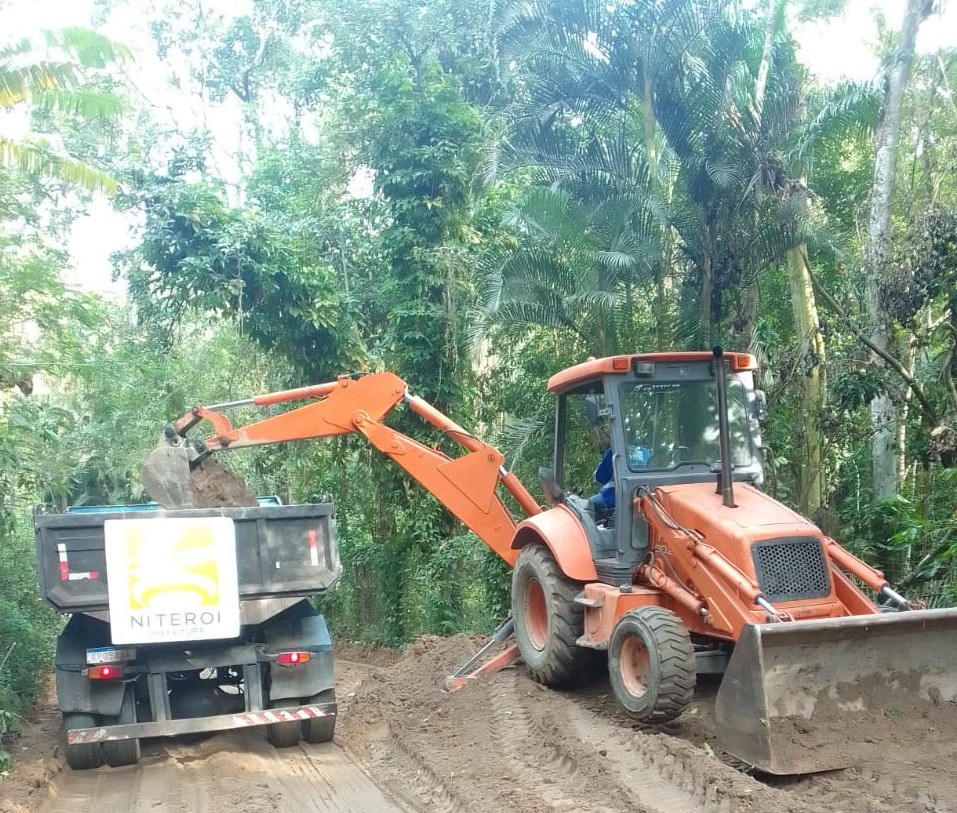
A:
806	696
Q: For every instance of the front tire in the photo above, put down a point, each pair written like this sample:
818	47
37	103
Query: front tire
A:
548	622
651	664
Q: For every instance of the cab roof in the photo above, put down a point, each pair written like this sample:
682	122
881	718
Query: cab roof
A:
619	365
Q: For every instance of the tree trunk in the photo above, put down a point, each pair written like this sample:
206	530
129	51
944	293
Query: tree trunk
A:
704	329
663	335
808	330
884	416
807	326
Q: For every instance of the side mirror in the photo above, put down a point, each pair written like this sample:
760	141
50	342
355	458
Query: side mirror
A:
595	413
760	406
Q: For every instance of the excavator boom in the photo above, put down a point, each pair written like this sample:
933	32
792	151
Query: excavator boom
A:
466	485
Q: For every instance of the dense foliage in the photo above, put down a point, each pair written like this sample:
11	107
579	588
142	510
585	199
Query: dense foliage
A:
474	198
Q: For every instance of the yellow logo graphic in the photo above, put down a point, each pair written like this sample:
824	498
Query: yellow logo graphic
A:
180	570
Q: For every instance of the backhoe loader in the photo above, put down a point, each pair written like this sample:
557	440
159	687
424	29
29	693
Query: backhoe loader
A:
693	570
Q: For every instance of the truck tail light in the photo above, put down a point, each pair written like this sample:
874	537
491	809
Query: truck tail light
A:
293	658
105	672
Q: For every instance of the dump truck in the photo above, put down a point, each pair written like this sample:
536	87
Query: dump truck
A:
189	620
684	566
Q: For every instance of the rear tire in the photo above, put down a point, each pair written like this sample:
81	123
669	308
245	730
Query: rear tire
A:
284	735
651	664
548	622
320	729
124	752
88	755
121	752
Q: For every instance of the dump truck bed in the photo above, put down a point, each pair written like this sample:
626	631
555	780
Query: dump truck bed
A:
282	551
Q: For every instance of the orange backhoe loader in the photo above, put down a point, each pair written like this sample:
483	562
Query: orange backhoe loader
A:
680	566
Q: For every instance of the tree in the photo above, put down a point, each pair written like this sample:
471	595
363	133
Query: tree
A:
885	473
52	79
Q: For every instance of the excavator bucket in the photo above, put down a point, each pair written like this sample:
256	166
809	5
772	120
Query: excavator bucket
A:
806	696
166	475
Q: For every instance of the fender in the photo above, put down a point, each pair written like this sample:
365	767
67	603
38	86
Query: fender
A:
562	533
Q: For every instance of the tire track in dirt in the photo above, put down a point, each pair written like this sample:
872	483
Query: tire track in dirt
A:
920	780
669	774
426	790
549	760
381	749
133	788
633	760
230	771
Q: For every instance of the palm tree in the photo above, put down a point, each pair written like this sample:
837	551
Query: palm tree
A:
695	120
653	104
51	79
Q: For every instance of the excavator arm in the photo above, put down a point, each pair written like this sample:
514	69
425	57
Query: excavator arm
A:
467	485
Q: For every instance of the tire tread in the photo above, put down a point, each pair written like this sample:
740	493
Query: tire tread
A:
566	663
675	657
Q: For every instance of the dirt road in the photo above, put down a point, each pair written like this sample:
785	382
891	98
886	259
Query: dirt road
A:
501	744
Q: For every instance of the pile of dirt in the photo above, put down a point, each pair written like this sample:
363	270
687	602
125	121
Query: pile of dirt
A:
167	478
215	486
411	688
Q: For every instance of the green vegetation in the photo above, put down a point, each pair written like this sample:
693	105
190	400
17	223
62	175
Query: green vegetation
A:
474	198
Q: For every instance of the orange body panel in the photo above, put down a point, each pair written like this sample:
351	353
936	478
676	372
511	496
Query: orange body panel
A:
595	368
560	530
605	604
715	562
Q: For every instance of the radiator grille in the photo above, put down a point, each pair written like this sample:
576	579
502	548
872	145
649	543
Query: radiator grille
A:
791	568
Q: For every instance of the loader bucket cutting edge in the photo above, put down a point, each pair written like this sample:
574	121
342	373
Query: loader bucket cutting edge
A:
166	475
807	696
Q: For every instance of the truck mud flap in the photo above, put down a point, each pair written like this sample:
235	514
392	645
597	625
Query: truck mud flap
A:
196	725
807	696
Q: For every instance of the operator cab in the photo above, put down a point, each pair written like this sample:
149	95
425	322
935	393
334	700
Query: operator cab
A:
657	414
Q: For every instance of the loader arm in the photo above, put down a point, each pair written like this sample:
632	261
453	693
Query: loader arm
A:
465	485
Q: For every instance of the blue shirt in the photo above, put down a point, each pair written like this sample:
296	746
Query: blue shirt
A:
638	457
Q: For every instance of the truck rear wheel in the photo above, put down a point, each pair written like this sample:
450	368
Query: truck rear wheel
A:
124	752
87	755
548	622
284	735
320	729
651	664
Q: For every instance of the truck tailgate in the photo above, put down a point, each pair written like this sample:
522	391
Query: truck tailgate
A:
281	551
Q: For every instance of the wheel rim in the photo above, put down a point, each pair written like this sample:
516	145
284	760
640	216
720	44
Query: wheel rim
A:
536	614
635	666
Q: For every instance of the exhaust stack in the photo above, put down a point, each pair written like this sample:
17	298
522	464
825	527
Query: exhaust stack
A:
725	486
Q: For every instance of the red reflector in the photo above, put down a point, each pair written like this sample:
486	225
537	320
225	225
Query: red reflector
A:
294	658
110	672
